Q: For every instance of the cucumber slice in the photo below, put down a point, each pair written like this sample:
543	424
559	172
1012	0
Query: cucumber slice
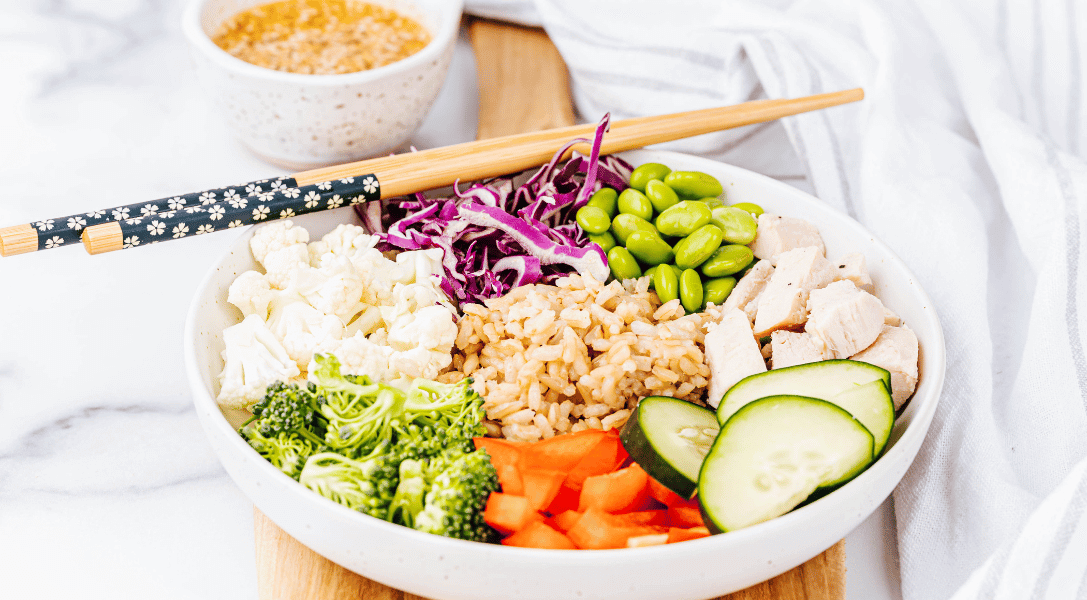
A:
773	453
669	438
860	388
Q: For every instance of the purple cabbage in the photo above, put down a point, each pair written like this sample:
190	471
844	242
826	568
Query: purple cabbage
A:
496	234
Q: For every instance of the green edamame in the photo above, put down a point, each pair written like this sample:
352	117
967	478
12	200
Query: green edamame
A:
605	199
694	249
648	247
666	283
649	273
683	218
623	225
716	291
660	195
750	207
713	202
633	202
646	173
690	290
605	240
737	225
728	260
693	184
593	220
622	264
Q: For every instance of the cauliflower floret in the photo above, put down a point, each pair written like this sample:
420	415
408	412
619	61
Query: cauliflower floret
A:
252	294
430	328
275	236
254	358
345	240
360	356
374	269
419	362
334	289
281	263
406	299
304	331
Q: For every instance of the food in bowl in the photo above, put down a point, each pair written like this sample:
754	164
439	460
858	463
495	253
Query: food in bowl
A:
321	37
579	484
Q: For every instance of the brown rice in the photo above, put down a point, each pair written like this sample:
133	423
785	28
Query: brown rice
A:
577	355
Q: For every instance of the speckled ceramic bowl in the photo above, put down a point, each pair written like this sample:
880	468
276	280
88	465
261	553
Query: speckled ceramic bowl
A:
445	569
301	121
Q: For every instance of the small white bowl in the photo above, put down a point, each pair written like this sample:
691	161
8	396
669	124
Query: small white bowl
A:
300	121
446	569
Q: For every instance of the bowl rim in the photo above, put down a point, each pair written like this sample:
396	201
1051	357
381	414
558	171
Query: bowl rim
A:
880	470
449	16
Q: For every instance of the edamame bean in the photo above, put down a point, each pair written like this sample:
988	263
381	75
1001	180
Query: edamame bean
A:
605	199
690	290
622	264
660	195
716	291
593	220
738	226
649	273
683	218
666	283
713	202
605	240
646	173
750	207
633	202
648	247
623	225
693	184
694	249
728	260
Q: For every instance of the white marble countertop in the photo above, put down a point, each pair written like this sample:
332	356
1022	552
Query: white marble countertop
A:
108	488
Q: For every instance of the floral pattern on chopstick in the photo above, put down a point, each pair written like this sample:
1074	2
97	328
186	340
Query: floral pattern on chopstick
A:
284	201
61	231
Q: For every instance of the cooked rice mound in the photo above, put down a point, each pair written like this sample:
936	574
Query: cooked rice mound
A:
561	358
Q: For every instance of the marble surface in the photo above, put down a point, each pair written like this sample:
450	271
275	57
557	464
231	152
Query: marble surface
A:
108	488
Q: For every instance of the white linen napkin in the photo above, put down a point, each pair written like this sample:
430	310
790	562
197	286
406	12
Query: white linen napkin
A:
966	159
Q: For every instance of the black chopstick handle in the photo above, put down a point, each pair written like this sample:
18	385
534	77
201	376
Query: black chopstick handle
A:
236	210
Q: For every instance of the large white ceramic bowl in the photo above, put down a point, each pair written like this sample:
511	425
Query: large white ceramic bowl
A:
299	121
441	568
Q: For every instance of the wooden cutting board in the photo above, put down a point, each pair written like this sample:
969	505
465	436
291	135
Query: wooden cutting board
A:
523	86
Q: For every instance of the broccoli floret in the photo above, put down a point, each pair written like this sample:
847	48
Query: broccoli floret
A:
287	452
454	408
410	493
456	498
291	409
367	486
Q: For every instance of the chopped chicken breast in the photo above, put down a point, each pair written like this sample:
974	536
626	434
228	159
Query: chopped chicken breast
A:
890	318
745	296
777	235
854	268
791	348
895	350
783	304
846	318
732	353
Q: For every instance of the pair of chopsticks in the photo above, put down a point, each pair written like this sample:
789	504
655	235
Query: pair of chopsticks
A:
196	213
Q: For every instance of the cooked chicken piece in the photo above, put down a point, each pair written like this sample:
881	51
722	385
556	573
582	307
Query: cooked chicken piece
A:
890	318
779	234
846	318
783	304
745	296
790	348
854	268
732	353
895	350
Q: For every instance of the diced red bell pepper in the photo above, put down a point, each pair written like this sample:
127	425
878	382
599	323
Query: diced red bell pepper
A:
678	534
622	491
565	521
597	530
561	452
685	516
600	460
541	486
566	499
539	535
662	494
508	513
644	517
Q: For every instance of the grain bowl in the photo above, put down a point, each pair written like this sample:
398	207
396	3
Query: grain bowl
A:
442	568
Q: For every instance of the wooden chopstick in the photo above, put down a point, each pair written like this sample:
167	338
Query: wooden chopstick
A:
389	177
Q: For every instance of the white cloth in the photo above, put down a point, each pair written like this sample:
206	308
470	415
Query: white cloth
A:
966	158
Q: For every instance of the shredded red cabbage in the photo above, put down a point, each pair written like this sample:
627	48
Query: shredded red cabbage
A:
497	236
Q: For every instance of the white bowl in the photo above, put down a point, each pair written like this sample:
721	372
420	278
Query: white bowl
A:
298	121
441	568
